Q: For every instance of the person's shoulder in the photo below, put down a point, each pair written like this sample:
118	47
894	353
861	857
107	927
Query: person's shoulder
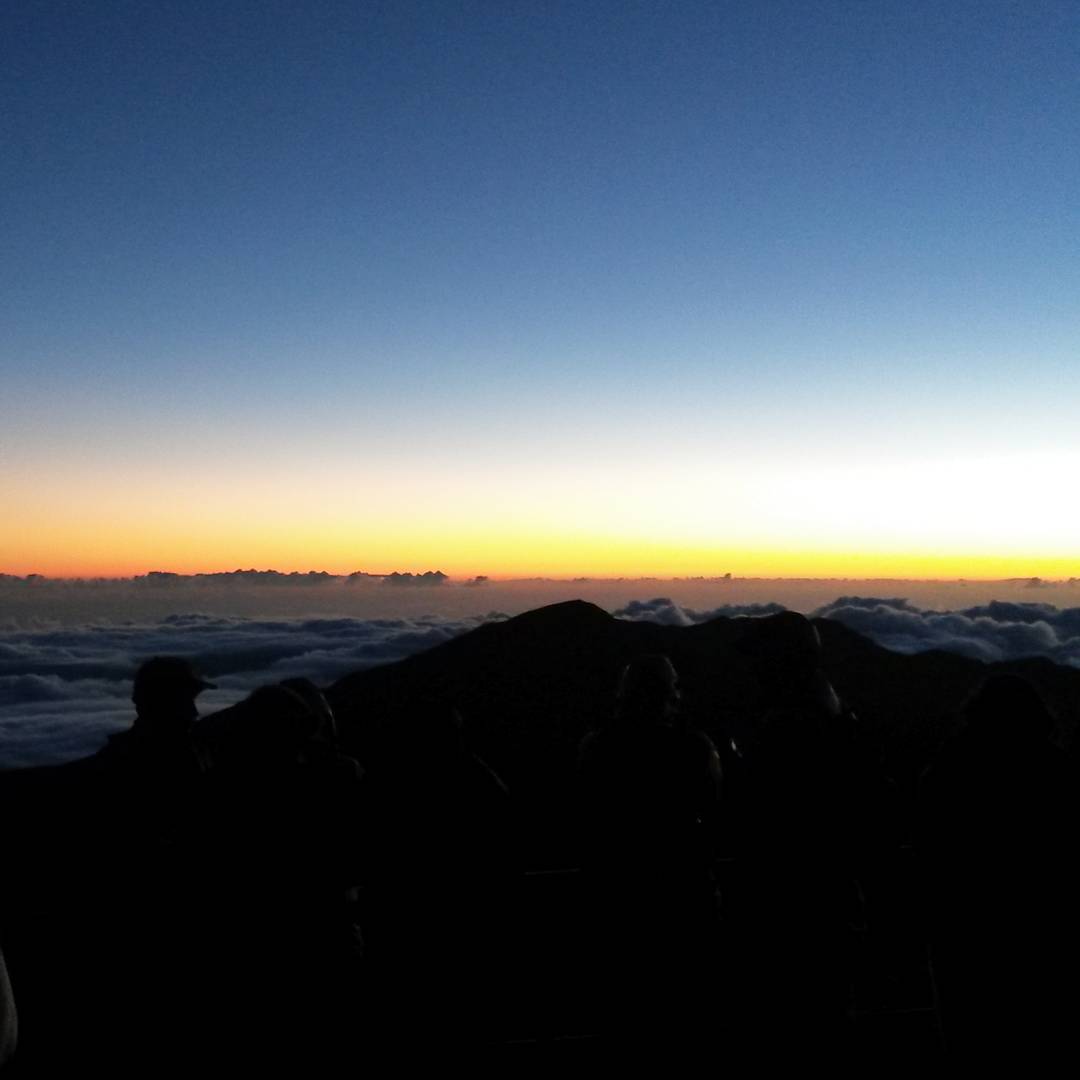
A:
697	744
591	744
700	739
335	764
119	747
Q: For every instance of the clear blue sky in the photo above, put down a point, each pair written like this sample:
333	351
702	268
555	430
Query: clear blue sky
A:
406	240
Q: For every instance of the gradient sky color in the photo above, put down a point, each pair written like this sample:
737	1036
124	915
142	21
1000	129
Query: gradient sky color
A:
556	288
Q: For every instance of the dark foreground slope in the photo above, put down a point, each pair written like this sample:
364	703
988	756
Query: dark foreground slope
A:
528	689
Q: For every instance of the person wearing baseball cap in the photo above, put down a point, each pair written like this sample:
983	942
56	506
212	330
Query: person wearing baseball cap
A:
164	695
143	822
160	740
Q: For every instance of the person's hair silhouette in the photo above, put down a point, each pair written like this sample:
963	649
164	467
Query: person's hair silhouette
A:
648	692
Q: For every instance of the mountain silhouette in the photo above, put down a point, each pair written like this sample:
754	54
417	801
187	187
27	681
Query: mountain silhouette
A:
529	689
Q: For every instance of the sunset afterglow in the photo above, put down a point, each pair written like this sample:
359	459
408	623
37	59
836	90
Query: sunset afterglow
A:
787	290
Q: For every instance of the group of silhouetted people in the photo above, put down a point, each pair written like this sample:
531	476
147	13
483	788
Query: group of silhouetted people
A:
240	893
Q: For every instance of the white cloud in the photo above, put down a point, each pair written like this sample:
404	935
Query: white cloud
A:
999	630
664	610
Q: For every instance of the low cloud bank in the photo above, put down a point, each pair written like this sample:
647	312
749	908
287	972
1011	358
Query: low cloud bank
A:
999	630
63	690
664	610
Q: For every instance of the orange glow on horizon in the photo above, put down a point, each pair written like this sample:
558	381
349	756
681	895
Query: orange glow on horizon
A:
934	521
513	557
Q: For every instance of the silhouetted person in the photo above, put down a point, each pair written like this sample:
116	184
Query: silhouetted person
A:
325	731
158	748
650	790
442	852
284	833
331	838
151	773
997	839
131	973
151	781
801	813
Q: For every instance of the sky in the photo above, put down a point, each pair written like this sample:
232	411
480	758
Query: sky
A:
762	288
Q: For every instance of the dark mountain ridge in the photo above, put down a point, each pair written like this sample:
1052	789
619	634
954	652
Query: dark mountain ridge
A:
529	688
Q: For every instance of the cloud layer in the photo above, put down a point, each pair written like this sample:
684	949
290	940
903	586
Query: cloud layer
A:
63	690
663	609
999	630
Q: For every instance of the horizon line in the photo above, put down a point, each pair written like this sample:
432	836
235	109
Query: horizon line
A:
494	579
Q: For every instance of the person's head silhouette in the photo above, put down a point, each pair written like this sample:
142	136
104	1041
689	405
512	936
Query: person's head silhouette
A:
164	695
325	729
648	691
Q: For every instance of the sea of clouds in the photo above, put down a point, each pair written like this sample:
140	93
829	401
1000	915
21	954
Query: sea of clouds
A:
65	686
998	630
64	689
